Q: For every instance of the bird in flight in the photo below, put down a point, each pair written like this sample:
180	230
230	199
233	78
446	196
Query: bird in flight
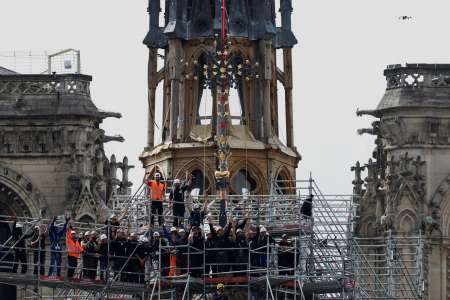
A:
405	18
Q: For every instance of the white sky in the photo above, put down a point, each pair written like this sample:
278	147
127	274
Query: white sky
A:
343	48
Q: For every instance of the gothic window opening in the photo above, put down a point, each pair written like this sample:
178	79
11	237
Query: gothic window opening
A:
243	183
205	99
284	184
236	107
205	108
281	122
200	184
86	219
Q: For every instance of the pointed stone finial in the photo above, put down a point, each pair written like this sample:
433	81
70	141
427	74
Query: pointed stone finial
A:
125	167
358	182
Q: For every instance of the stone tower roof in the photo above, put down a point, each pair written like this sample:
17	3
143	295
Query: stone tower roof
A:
25	96
416	85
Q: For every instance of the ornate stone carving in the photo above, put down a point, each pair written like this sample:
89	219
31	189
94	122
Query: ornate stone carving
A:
30	196
357	182
26	142
86	203
394	131
45	85
125	184
407	180
98	136
417	76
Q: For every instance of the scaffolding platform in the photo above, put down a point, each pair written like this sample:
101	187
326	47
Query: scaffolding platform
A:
329	262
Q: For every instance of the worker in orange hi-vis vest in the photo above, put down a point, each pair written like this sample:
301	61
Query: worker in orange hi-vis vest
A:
156	195
74	250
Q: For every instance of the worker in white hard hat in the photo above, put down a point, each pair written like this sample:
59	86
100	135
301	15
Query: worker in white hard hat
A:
264	240
177	202
143	253
74	251
90	256
103	256
156	195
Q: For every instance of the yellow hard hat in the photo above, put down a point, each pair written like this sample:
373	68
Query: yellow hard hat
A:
220	286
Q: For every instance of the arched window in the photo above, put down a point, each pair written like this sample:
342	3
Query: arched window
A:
284	184
243	183
205	108
235	107
200	183
86	219
205	99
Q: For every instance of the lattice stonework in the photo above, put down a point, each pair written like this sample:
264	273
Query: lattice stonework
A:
63	85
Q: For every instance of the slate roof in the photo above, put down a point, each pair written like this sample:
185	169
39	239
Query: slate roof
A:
5	71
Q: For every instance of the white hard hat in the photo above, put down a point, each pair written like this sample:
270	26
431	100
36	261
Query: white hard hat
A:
263	229
172	229
196	206
87	233
156	234
93	232
177	181
112	216
133	234
181	230
239	230
19	225
103	237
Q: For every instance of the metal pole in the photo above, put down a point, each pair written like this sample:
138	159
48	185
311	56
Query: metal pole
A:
188	270
160	272
204	268
107	271
267	268
39	256
78	62
295	269
249	270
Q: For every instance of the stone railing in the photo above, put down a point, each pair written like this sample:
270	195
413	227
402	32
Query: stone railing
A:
68	84
417	76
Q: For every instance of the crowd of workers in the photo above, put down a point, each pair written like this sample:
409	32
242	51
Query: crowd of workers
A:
187	247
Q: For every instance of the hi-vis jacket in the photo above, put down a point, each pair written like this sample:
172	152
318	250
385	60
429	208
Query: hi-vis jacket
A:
74	248
156	190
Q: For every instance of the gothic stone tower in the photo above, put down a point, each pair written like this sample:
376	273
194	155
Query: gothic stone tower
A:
52	159
408	180
189	121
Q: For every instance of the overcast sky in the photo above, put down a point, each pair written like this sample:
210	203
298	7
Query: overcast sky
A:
343	48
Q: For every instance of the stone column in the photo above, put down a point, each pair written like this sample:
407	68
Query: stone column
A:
175	85
265	50
287	54
152	84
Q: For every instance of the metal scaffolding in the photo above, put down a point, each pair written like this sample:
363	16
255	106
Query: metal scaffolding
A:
327	261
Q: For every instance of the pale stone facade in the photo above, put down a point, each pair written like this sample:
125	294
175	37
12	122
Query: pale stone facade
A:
52	159
407	188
